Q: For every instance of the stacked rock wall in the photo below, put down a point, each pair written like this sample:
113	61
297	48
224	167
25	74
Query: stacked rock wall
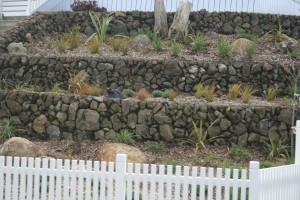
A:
74	117
140	73
222	22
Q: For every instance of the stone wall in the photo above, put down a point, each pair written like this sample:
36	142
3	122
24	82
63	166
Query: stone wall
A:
138	73
74	117
222	22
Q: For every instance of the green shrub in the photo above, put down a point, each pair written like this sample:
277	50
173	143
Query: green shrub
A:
238	153
293	89
157	93
271	93
125	137
198	43
247	35
61	45
175	48
224	47
265	164
295	53
250	50
30	88
100	27
6	131
276	148
73	37
156	43
156	147
129	92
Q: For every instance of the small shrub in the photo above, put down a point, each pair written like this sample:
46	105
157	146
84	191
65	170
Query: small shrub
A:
234	91
265	164
224	47
100	27
156	147
61	45
200	91
76	82
125	137
271	93
250	50
198	43
175	48
95	45
201	136
129	92
31	88
276	148
211	160
295	53
73	38
247	93
31	48
50	44
156	43
87	5
143	31
57	88
209	93
166	94
116	43
157	93
124	48
238	153
247	35
6	131
89	90
173	163
293	89
142	94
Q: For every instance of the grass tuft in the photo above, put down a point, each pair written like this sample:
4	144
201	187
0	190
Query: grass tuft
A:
234	91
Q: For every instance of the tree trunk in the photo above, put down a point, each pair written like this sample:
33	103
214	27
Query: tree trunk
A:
160	15
181	20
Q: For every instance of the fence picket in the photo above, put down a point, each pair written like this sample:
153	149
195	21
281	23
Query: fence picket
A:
161	185
169	181
16	165
243	185
186	172
88	180
22	177
202	183
8	178
66	178
152	182
210	183
177	183
58	179
235	186
129	181
73	179
110	181
1	176
80	185
37	165
51	178
29	179
102	179
194	183
45	183
219	184
145	181
95	176
227	184
137	171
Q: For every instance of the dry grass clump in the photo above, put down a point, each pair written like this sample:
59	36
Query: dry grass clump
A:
89	90
247	93
142	94
209	93
234	91
95	45
271	93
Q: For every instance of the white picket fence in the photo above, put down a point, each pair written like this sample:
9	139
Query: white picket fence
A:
28	178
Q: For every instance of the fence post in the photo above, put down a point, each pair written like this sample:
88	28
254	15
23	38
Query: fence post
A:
297	146
120	176
254	176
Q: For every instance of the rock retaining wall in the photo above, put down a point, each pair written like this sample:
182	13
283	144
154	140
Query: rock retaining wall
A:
74	117
137	73
222	22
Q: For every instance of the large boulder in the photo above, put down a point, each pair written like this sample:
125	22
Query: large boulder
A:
16	48
108	151
39	124
140	41
240	45
21	147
